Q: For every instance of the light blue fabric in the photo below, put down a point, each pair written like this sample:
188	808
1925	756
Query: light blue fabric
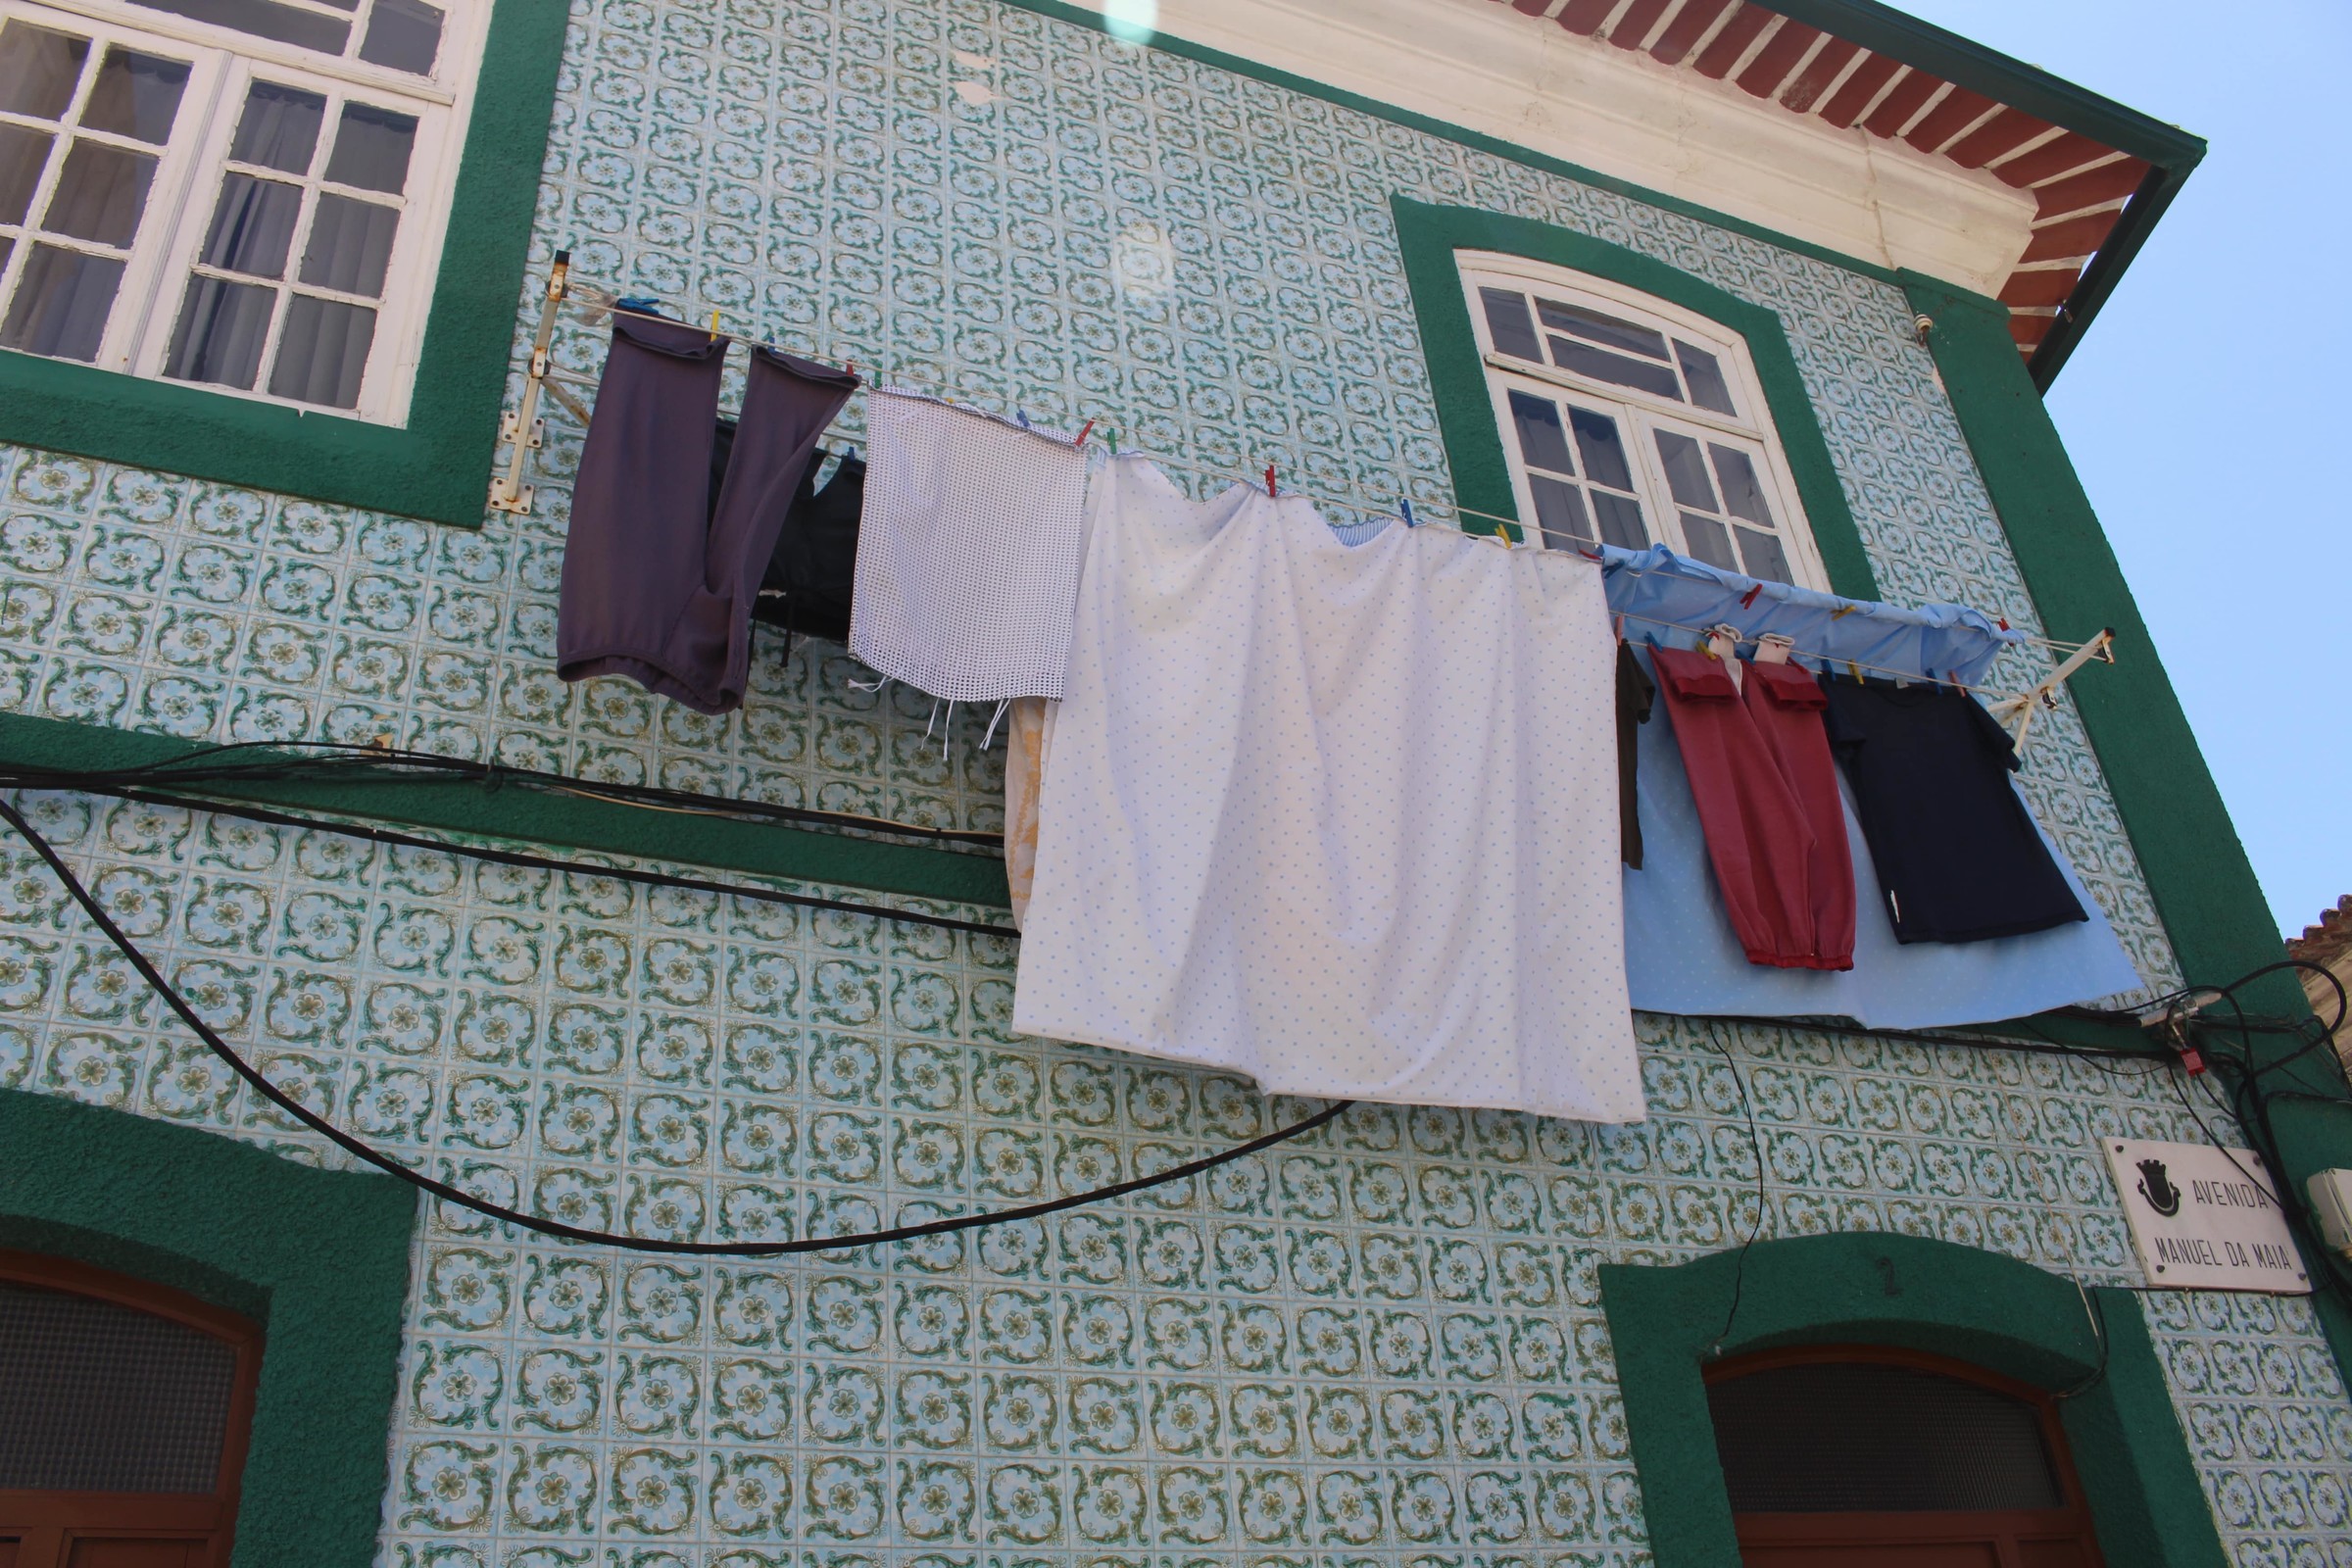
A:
1655	589
1680	957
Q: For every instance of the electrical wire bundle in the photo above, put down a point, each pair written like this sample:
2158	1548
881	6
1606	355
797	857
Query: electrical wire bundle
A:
157	785
237	768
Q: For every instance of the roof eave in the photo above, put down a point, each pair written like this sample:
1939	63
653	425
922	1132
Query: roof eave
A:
2170	152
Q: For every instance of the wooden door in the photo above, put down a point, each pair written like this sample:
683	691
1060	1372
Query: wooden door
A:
125	1411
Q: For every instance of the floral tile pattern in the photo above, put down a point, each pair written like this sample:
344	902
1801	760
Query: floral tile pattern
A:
1379	1346
1382	1340
1203	261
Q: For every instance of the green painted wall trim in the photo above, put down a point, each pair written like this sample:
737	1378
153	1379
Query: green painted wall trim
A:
438	466
322	1257
1429	235
468	806
1909	1291
2204	888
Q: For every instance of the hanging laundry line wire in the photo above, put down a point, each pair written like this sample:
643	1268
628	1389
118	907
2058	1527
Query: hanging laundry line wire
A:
526	431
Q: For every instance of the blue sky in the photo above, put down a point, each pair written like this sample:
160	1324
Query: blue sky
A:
2200	409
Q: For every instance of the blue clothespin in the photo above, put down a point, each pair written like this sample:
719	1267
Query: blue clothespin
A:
1406	506
1023	416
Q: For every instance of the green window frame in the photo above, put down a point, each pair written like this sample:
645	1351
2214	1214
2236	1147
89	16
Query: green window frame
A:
318	1257
1667	1324
437	465
1430	236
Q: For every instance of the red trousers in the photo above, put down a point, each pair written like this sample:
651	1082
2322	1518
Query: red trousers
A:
1767	795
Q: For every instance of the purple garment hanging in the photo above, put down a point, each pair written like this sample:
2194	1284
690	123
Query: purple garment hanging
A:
651	590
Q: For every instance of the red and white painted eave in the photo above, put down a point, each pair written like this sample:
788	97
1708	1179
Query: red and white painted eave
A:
2079	186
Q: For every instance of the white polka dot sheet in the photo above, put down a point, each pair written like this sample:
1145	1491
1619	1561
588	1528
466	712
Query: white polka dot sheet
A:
1343	819
968	551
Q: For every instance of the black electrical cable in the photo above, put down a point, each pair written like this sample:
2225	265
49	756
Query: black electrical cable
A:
522	860
244	1070
1755	1142
346	763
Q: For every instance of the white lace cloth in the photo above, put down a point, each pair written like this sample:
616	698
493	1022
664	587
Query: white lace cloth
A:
968	551
1344	819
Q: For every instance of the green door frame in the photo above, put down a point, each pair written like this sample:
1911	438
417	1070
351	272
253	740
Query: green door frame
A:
1667	1325
320	1259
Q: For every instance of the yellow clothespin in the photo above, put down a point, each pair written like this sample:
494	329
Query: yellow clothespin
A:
715	326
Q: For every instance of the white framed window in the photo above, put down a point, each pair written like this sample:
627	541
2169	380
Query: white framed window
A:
1630	422
245	195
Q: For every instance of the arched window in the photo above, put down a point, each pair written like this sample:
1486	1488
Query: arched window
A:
1631	422
125	1410
1860	1457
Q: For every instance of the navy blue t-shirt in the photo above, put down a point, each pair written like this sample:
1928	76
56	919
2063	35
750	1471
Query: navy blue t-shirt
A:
1958	855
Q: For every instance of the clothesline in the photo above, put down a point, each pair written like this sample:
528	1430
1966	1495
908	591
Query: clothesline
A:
509	494
602	303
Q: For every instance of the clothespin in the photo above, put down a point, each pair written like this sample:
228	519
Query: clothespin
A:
1269	480
1110	439
1854	669
849	367
1845	610
1022	415
713	326
1620	626
2003	623
1748	597
1407	508
1083	434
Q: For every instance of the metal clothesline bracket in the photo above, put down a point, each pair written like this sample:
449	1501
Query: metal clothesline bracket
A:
2018	713
521	429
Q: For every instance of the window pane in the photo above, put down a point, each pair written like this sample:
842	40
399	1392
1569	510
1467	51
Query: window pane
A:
38	70
278	127
404	34
350	245
1708	542
1763	553
1541	440
371	149
1687	471
1620	520
95	1396
61	303
1560	513
1707	387
136	96
264	19
1743	495
1860	1437
100	193
221	328
1604	453
322	352
1509	324
1607	331
253	225
23	152
1615	368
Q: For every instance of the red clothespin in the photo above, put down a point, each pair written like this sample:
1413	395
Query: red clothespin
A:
2004	624
1621	628
1269	479
1748	597
1083	434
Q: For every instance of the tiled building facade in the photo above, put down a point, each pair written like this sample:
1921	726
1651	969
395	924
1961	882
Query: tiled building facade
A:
1383	1342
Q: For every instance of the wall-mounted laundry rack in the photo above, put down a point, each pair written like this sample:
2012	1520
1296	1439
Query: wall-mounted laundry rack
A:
524	430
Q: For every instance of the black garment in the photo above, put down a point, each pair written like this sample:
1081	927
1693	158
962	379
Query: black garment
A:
1958	854
658	581
1635	694
812	576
